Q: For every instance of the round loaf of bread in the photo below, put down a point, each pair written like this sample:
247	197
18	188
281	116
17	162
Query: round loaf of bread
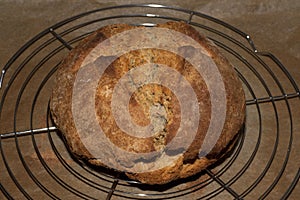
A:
158	106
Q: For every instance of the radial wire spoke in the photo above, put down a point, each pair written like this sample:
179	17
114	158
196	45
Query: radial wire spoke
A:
221	183
28	132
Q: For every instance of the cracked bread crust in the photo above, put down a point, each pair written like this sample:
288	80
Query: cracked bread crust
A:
188	163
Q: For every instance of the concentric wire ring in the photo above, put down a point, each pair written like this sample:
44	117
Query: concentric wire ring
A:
45	169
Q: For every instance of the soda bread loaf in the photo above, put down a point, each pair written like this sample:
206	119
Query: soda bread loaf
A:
150	103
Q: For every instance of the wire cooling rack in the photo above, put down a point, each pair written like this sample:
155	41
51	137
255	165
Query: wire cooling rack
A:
36	165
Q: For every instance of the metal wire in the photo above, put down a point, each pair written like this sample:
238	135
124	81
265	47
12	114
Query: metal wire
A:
61	37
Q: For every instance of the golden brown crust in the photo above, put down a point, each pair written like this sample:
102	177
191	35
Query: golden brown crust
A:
189	162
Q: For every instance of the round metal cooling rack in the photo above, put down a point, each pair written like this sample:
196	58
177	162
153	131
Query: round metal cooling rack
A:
36	165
